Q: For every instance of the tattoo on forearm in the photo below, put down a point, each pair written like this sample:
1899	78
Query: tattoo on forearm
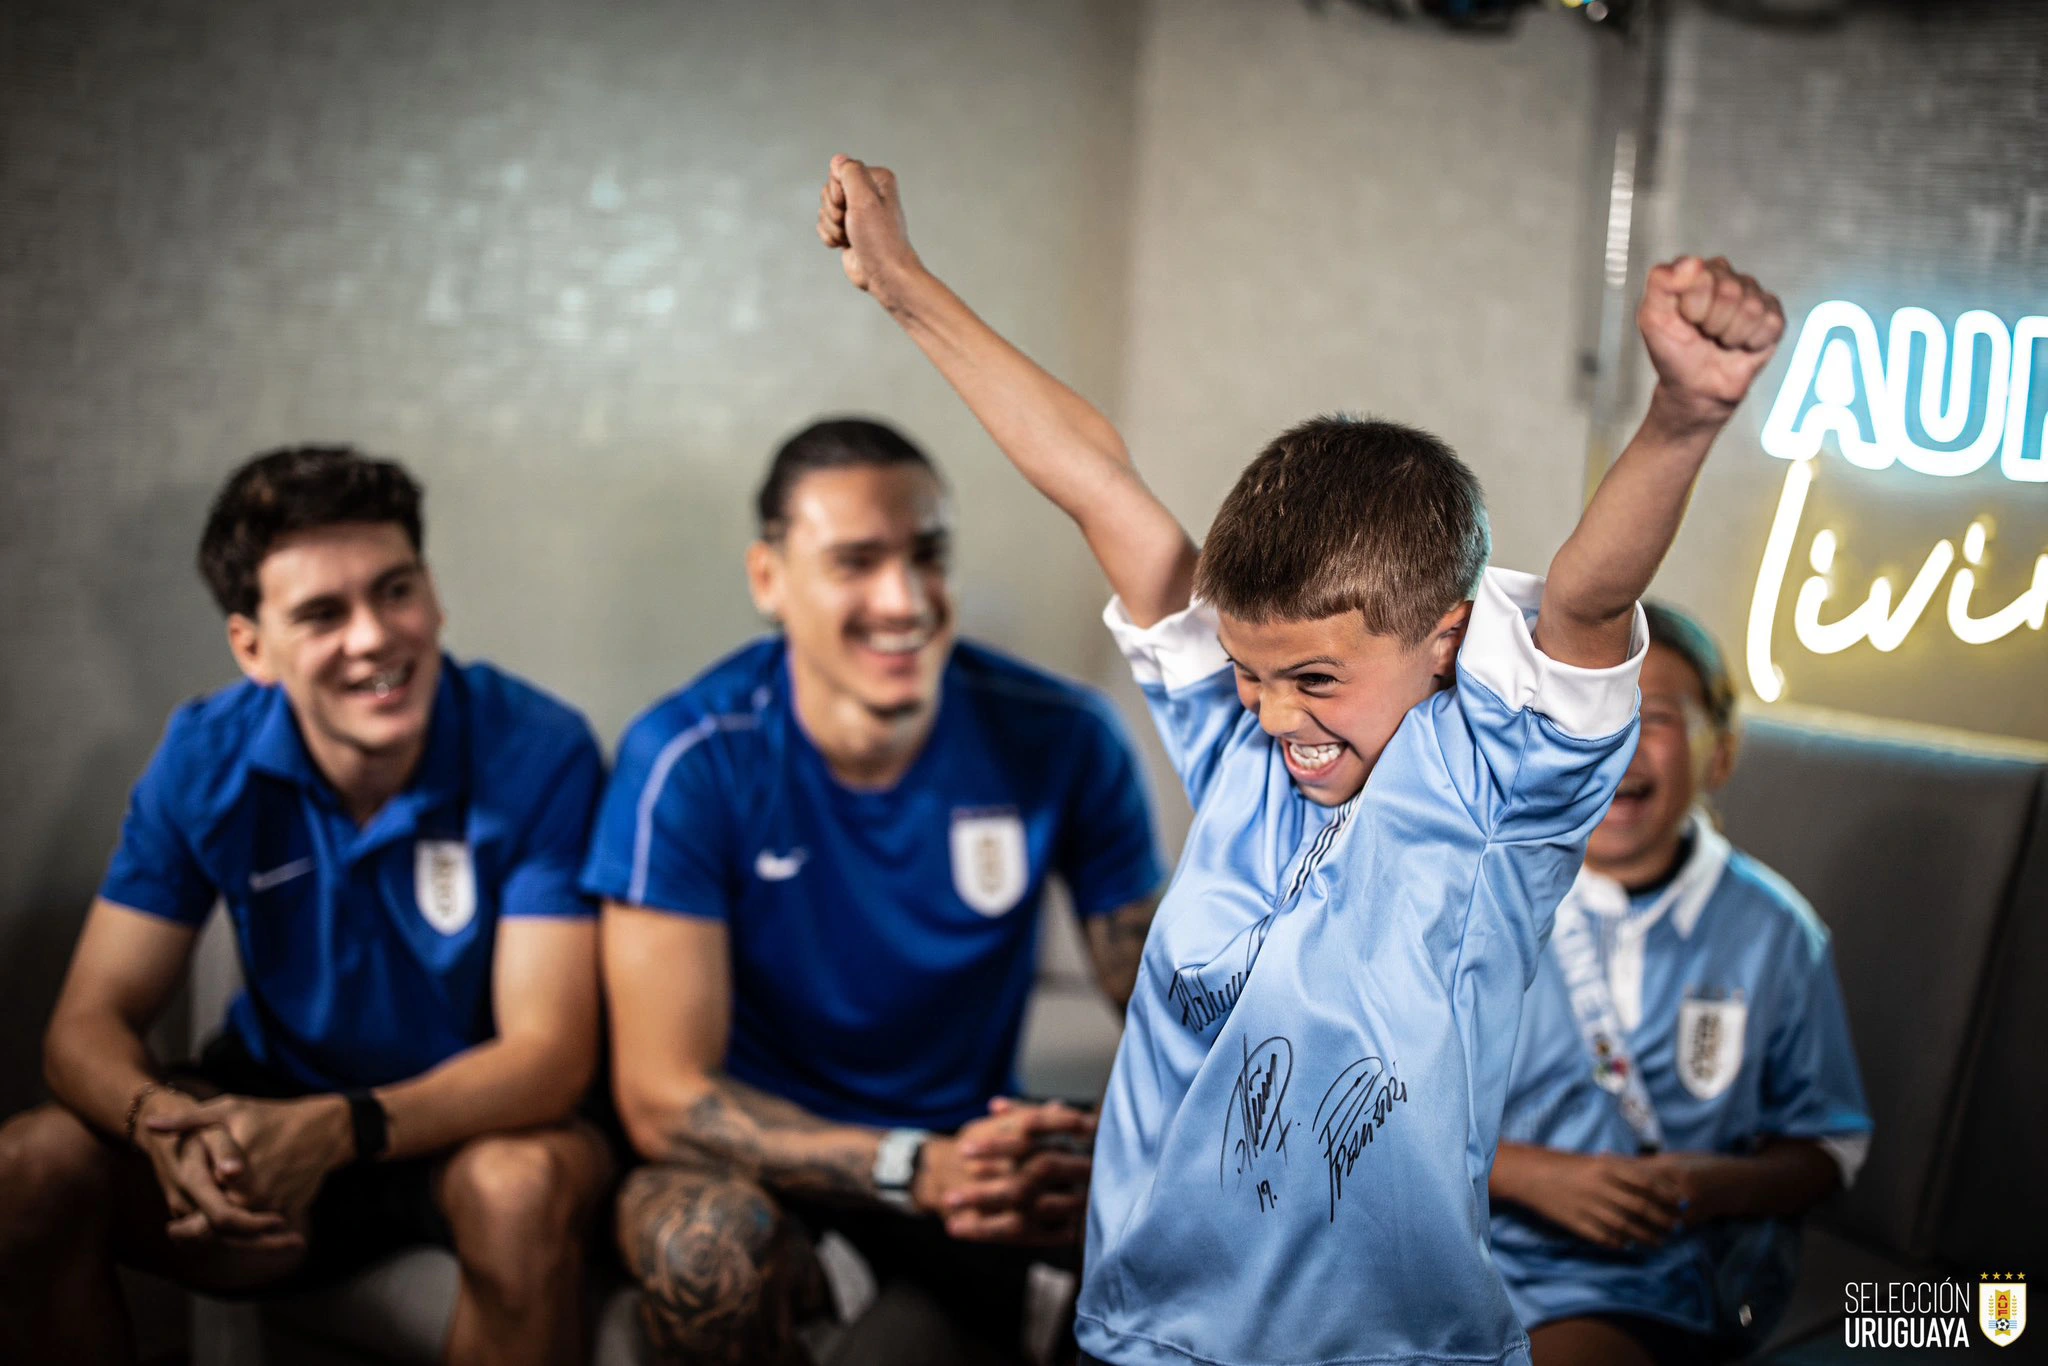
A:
1116	943
782	1146
728	1276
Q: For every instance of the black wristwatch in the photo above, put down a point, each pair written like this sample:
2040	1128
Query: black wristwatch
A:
372	1126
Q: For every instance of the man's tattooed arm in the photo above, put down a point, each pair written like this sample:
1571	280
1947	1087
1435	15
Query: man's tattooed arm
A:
1116	944
670	993
766	1139
669	990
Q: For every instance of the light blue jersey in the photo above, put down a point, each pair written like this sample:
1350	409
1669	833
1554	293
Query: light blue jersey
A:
1724	989
1295	1144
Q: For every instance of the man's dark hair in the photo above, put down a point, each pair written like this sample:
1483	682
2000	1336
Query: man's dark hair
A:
1679	632
1346	514
296	488
834	444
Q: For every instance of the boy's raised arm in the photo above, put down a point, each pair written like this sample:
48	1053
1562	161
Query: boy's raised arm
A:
1710	331
1054	437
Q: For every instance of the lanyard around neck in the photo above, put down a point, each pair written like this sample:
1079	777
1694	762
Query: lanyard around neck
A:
1575	941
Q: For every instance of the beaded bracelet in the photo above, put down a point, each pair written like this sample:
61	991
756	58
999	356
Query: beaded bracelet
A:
142	1094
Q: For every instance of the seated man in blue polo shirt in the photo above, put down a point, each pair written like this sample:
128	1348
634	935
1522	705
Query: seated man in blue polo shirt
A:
396	838
822	864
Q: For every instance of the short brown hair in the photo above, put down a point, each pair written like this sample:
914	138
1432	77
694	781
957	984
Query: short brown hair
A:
1347	514
296	488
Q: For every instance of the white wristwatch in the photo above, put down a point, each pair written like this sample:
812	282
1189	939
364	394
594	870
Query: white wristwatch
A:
896	1165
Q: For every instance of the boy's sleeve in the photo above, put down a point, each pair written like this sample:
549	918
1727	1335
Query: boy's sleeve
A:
1812	1086
1186	678
153	868
663	829
1535	747
1107	855
544	880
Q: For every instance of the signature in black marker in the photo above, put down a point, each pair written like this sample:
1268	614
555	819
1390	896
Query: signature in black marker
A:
1202	1005
1253	1127
1354	1109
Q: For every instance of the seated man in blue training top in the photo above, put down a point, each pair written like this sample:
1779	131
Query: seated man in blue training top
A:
822	864
396	838
1684	1085
1393	783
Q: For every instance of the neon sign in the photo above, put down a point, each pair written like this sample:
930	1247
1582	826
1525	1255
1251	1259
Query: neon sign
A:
1842	385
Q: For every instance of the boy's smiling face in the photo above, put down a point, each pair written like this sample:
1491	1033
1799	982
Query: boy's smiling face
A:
1332	693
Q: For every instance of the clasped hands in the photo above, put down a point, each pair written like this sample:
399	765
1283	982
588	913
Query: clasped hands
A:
1620	1202
241	1170
1019	1175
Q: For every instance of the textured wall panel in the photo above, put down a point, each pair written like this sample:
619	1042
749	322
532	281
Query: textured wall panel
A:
1898	159
1339	212
557	257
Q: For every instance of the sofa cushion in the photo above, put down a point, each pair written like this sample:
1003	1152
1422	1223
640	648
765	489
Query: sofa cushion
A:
1906	849
1995	1215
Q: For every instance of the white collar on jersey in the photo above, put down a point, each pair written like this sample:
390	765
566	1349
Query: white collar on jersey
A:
1684	899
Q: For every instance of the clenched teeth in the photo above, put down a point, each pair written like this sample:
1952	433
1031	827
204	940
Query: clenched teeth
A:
1313	756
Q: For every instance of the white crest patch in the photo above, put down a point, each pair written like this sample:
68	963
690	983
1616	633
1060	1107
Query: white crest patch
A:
990	868
444	883
1710	1043
2002	1310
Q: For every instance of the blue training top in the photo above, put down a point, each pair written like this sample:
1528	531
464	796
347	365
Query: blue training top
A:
1734	1018
366	951
1294	1149
883	943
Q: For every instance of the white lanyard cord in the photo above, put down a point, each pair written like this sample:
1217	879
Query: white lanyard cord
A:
1575	941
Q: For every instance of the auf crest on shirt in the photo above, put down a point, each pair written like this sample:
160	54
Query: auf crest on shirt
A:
1710	1029
444	883
991	868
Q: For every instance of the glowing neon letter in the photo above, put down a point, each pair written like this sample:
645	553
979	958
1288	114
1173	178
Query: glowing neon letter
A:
1874	619
1764	676
2028	609
1946	423
2016	463
1825	369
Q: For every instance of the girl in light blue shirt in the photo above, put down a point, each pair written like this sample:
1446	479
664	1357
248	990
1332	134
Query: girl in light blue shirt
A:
1684	1086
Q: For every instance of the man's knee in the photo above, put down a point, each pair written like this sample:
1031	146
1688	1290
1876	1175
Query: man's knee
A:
515	1205
55	1178
725	1271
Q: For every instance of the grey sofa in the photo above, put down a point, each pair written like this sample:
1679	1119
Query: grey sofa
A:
1927	856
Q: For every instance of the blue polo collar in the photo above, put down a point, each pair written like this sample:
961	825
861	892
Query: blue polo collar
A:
277	748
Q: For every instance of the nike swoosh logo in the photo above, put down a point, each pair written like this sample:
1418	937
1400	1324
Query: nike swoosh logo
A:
774	867
284	872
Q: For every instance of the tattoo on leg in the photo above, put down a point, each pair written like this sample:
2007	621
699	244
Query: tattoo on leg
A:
727	1276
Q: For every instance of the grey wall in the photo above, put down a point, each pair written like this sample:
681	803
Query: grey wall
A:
1336	212
559	258
1899	158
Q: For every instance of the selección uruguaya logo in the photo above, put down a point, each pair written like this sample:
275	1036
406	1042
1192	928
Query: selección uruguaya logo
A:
1925	1314
2002	1306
